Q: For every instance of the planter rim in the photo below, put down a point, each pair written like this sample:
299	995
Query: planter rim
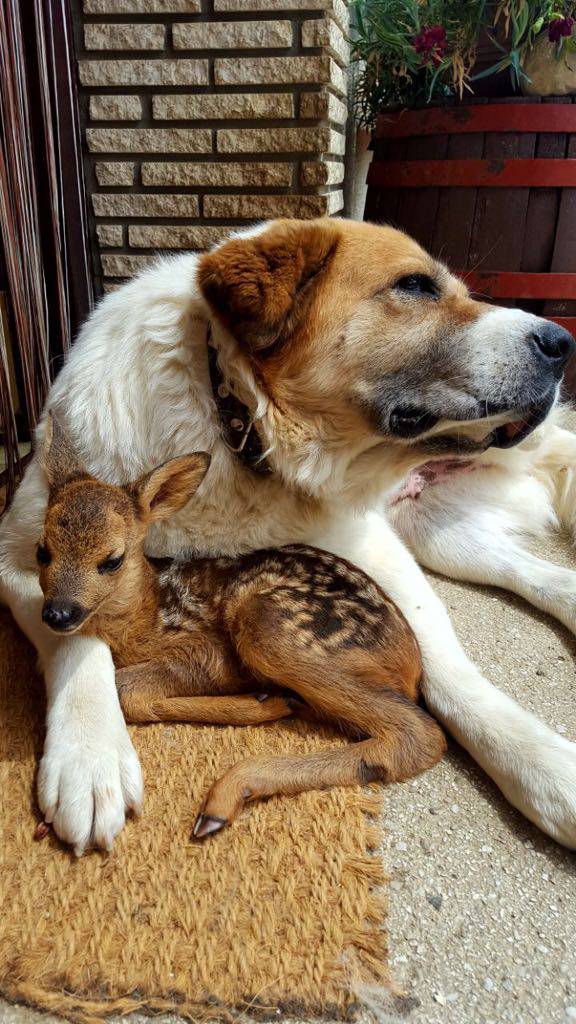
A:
528	115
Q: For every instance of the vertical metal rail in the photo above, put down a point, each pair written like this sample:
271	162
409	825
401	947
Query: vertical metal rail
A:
43	233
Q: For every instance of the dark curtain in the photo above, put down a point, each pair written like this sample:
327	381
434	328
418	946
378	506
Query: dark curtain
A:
45	273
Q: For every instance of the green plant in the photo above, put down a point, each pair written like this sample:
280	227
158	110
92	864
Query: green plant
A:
410	52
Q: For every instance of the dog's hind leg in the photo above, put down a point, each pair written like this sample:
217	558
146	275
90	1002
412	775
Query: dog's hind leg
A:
467	540
555	467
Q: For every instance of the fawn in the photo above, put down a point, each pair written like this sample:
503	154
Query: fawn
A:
229	640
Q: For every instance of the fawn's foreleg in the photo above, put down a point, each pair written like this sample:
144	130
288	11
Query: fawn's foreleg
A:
152	692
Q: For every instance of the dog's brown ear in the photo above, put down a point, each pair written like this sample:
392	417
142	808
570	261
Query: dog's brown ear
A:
258	287
58	456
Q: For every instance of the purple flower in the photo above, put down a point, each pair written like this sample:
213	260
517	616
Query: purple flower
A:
431	43
560	27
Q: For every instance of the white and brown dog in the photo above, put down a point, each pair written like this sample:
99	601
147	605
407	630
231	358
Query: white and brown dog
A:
349	370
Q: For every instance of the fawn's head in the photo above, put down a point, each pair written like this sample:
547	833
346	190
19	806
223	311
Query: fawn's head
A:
91	546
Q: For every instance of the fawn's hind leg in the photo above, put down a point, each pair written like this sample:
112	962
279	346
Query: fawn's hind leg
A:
360	688
390	758
151	692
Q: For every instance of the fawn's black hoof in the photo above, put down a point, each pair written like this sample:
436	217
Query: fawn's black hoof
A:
206	825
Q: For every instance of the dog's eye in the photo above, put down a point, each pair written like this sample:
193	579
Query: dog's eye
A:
110	564
418	284
43	556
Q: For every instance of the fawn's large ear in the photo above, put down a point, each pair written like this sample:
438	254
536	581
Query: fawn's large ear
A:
258	286
167	489
58	456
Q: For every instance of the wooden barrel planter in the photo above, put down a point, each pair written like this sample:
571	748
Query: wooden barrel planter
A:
490	188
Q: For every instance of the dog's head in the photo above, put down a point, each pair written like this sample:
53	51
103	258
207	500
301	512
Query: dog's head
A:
358	338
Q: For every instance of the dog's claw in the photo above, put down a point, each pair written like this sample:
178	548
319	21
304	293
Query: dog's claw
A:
42	830
206	825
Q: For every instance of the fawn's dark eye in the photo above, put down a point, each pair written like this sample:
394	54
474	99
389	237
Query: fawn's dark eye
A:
418	285
110	564
43	556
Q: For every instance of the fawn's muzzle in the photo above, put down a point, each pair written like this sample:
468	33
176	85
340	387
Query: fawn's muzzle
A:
63	616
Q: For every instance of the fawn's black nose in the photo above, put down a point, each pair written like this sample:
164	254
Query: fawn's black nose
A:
554	344
62	615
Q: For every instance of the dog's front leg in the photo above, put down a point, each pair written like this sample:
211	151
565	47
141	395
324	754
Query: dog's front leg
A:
534	767
89	774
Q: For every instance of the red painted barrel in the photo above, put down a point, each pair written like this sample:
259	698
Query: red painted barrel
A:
490	188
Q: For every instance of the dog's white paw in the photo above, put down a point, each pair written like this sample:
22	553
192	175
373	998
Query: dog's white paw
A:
543	787
85	787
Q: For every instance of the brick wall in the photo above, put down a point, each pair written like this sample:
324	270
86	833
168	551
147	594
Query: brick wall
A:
201	115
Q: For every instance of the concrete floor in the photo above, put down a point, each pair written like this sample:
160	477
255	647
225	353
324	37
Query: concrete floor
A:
482	906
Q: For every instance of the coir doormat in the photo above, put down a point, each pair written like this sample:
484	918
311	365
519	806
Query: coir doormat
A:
282	911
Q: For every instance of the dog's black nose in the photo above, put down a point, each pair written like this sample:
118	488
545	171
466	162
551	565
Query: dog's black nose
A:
62	615
554	343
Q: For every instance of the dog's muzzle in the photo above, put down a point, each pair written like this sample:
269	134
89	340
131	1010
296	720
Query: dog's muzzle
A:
551	349
413	423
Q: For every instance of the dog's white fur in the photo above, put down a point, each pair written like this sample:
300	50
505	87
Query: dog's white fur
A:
135	392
